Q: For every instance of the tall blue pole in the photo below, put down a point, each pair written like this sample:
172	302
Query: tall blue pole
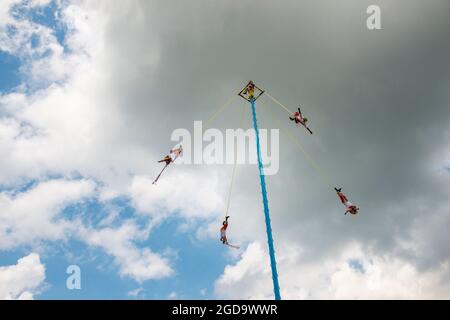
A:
273	262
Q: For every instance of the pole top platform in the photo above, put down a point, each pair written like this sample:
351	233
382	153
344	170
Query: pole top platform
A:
251	91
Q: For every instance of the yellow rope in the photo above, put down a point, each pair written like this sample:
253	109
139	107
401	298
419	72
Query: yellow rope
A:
278	102
222	108
234	170
205	127
311	161
318	119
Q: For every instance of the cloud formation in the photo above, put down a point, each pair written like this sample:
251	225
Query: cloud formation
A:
353	273
23	280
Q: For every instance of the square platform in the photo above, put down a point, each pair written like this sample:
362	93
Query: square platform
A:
245	92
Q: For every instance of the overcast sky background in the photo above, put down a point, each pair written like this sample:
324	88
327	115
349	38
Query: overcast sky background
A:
91	92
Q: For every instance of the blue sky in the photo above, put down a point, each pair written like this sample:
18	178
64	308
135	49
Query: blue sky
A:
10	75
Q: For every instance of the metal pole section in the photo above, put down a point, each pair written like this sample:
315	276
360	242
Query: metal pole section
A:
273	262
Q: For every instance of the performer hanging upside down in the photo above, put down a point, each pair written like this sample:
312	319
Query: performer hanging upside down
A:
351	208
171	157
173	154
166	159
299	118
223	235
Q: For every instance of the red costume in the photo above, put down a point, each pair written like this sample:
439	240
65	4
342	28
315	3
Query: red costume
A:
351	208
298	118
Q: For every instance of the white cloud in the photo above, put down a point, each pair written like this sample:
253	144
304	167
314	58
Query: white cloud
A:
5	17
22	280
248	278
186	194
79	105
73	125
135	293
36	44
39	3
379	277
139	264
33	215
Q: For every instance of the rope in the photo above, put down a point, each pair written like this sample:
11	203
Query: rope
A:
234	171
279	103
311	161
220	110
318	119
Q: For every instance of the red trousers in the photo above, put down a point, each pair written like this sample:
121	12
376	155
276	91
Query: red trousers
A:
342	197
